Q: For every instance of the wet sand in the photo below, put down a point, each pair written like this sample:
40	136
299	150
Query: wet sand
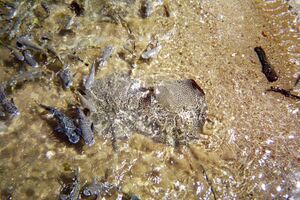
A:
250	145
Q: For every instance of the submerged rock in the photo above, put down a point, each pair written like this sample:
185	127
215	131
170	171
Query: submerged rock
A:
170	112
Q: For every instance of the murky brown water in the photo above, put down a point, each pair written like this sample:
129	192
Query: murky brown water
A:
250	145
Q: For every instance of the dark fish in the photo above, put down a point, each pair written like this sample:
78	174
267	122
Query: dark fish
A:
16	27
29	59
98	188
106	53
284	92
90	78
23	77
266	66
85	127
21	11
25	42
78	9
66	77
14	9
8	104
12	13
86	103
74	189
16	53
65	124
146	9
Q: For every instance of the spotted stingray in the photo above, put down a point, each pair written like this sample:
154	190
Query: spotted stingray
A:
171	112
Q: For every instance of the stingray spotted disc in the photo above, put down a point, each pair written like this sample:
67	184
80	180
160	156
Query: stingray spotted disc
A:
171	112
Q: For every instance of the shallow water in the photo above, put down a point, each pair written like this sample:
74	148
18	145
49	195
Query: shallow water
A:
250	144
